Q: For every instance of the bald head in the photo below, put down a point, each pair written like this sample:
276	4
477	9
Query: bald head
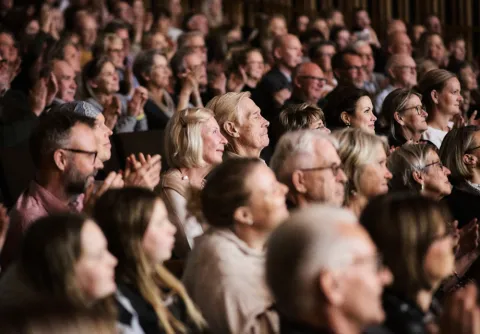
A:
309	80
402	70
399	43
396	26
287	51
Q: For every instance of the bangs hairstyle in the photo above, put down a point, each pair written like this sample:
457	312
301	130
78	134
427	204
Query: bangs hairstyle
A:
356	149
404	161
395	102
300	116
124	216
455	145
224	192
403	226
183	138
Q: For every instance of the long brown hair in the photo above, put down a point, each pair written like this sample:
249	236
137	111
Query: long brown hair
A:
124	215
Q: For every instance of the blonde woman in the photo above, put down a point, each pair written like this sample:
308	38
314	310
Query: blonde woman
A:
225	273
364	157
442	99
193	145
149	298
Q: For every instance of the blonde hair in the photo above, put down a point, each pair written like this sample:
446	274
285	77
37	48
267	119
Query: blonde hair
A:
456	144
183	138
225	107
124	216
403	162
356	149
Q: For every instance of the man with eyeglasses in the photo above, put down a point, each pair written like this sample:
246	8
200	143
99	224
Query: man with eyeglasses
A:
401	70
348	68
64	151
308	163
374	81
308	82
325	273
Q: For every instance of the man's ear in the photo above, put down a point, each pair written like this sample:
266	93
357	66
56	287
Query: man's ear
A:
231	129
332	288
60	159
298	181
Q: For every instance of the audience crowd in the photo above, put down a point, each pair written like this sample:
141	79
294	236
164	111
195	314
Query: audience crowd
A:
317	178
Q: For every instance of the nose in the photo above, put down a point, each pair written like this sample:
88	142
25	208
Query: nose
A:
113	260
374	117
446	171
173	229
265	122
223	140
283	188
386	276
73	85
388	174
341	176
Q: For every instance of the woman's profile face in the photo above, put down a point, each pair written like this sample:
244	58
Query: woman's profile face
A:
375	175
94	271
439	260
364	118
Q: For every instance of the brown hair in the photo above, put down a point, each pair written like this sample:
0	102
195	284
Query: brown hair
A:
223	193
433	80
299	116
124	216
403	226
91	71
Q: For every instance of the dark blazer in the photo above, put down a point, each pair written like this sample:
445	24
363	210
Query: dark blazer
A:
156	118
463	203
402	315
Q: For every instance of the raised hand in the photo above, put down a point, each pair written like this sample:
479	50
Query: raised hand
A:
136	104
92	194
38	96
144	172
461	314
111	112
468	238
52	88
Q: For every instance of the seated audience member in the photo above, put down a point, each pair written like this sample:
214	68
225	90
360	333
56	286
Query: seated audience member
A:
402	73
190	73
459	153
340	35
457	49
425	66
64	258
67	51
193	145
152	71
442	99
64	151
141	237
67	86
417	168
301	116
287	52
248	69
334	18
308	82
321	54
413	235
308	163
348	68
163	21
243	203
195	21
86	28
431	47
433	24
195	41
241	123
155	41
374	82
396	25
325	273
349	106
364	159
404	117
468	81
399	43
101	84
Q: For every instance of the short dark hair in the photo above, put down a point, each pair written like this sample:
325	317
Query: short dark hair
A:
338	60
144	63
116	25
53	132
187	19
334	32
177	63
315	48
161	12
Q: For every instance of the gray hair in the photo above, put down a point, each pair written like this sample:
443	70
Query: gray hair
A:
310	241
144	63
295	150
358	44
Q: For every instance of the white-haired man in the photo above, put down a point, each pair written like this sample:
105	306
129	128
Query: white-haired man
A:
325	273
308	163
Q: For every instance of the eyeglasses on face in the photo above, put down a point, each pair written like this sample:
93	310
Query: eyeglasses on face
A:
409	68
420	109
334	168
376	260
320	80
91	153
439	163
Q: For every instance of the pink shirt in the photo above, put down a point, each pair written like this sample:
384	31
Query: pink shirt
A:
34	203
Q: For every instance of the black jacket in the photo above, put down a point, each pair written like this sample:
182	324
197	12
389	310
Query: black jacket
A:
463	203
402	315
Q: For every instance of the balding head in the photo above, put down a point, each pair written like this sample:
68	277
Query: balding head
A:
396	26
309	80
317	263
399	43
287	51
65	76
402	71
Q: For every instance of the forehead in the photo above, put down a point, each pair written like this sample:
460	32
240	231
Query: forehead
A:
406	61
325	151
62	67
452	83
6	38
414	100
254	54
432	156
196	39
310	69
108	67
351	59
364	102
159	60
292	42
365	48
260	179
360	242
83	137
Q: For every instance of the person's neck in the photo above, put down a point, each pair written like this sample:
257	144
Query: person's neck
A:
284	69
475	179
409	134
254	238
439	121
431	194
357	203
424	299
252	82
250	152
103	98
196	175
303	97
299	200
53	184
156	92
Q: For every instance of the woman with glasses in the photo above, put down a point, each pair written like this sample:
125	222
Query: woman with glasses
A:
412	234
364	157
440	90
460	152
404	117
350	107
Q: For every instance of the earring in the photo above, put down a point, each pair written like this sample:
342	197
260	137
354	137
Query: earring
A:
422	187
347	124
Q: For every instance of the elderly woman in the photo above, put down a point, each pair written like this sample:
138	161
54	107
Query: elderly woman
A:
442	99
101	84
152	70
460	153
404	116
364	157
412	234
194	144
241	122
225	274
417	167
350	107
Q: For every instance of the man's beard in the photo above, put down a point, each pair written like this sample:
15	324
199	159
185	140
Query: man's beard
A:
78	183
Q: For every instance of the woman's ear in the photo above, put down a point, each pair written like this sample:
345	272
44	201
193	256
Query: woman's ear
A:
345	117
398	118
243	215
92	83
434	95
418	177
470	160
